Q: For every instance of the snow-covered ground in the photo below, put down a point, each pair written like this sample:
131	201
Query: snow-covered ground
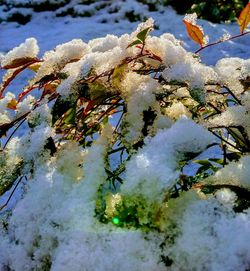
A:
50	31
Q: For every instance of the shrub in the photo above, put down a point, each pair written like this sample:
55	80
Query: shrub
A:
110	134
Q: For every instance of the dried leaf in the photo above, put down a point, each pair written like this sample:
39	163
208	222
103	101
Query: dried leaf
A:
194	32
89	106
244	18
51	87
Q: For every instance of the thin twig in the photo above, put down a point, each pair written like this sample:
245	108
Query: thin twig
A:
119	121
6	143
224	140
233	95
10	196
116	150
220	41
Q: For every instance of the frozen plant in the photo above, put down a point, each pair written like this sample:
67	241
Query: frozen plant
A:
102	168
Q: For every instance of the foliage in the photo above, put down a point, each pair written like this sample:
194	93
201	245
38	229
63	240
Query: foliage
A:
112	126
212	10
218	11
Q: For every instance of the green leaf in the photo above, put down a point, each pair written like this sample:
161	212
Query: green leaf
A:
143	34
231	101
134	43
202	169
70	116
198	95
105	120
118	75
217	160
203	162
62	75
60	107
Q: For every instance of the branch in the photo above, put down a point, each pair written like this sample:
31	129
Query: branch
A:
10	196
6	143
224	140
220	41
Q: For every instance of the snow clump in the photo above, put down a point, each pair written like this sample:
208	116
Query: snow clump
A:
29	49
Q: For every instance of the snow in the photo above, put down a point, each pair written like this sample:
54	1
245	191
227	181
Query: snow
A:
212	238
51	31
28	49
163	152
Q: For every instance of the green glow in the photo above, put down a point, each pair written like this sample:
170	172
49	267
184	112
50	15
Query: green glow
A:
116	220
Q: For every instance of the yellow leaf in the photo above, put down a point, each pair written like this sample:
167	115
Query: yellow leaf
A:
118	75
194	32
12	104
244	18
35	67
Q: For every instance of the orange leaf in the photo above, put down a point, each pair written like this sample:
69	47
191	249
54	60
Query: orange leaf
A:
194	32
51	87
244	18
12	104
111	112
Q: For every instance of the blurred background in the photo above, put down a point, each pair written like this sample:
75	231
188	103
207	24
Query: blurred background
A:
216	11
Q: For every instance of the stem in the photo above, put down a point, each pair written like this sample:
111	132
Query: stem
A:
224	140
233	95
116	150
218	111
119	121
220	41
224	148
6	143
10	196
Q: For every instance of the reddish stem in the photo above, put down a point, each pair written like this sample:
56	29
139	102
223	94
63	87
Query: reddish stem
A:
220	41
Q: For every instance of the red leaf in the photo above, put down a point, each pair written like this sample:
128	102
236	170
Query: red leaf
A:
21	62
14	74
89	106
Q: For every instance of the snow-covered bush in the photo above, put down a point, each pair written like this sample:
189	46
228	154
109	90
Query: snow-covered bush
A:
112	128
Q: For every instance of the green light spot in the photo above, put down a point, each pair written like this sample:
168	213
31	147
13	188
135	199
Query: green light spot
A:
116	220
